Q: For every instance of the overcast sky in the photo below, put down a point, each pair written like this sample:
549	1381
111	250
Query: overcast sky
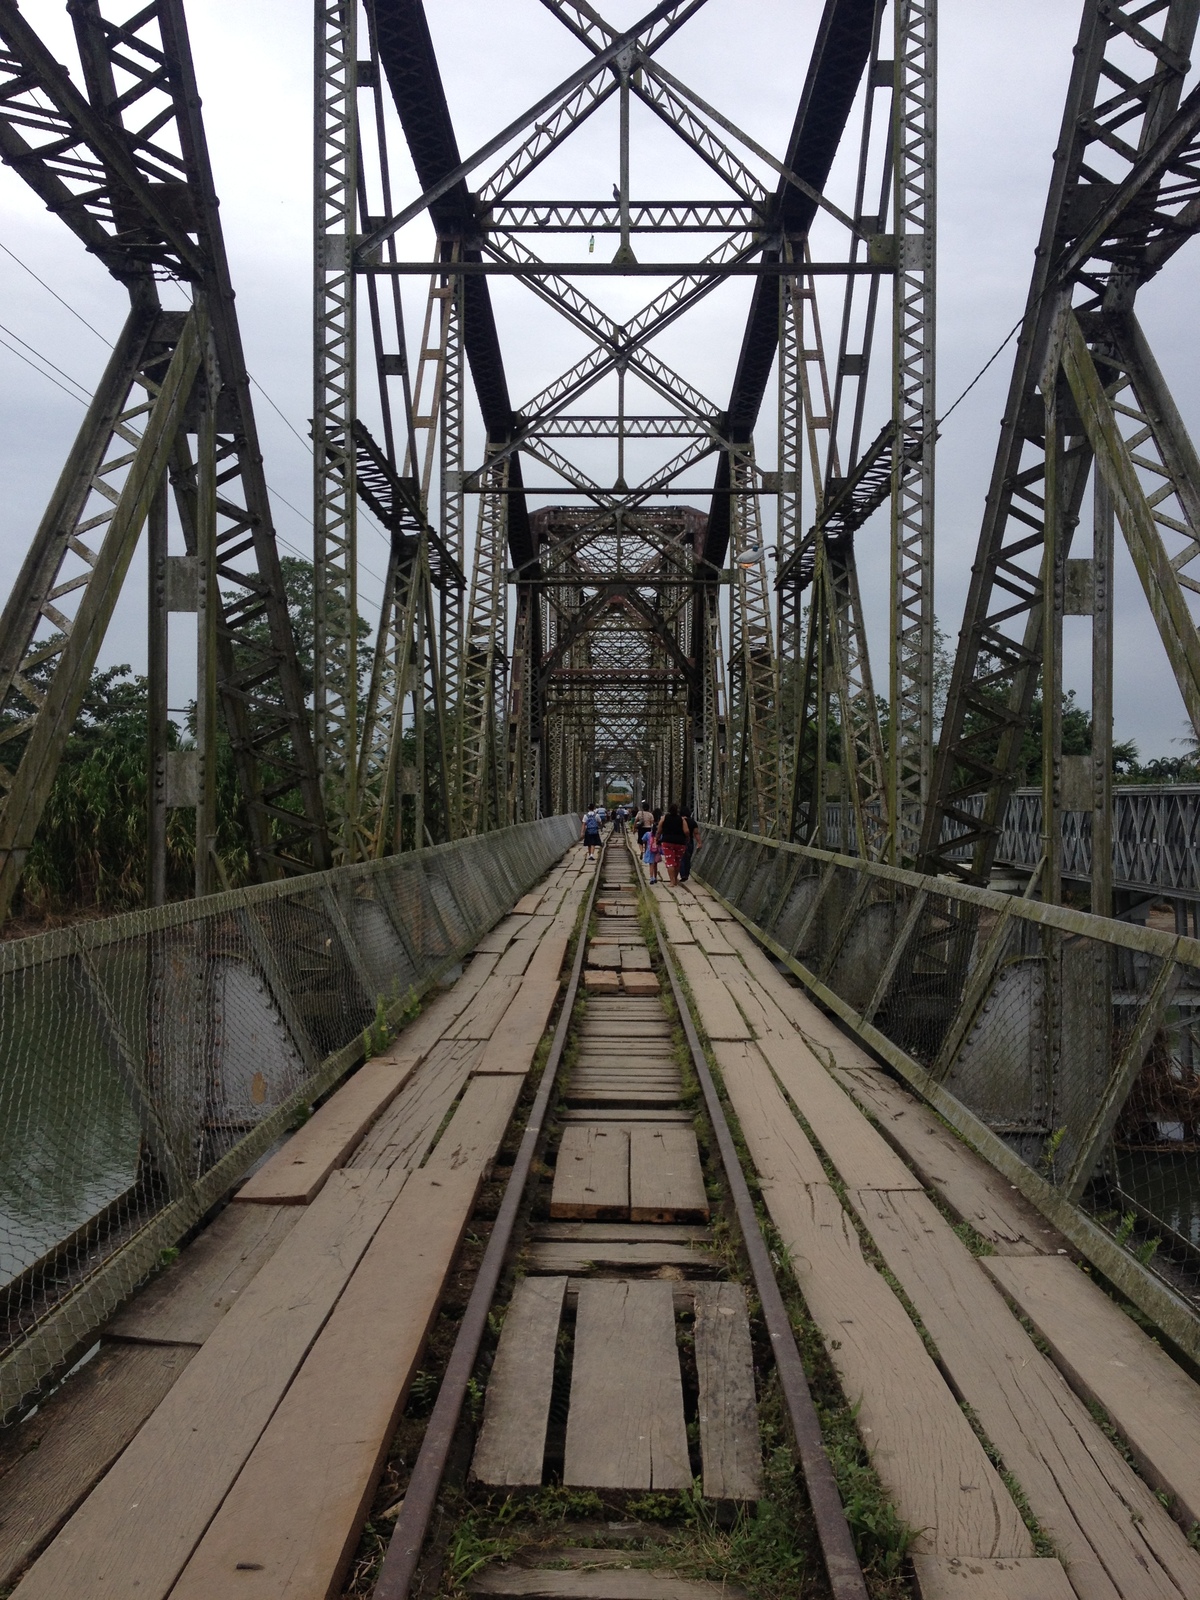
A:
1004	68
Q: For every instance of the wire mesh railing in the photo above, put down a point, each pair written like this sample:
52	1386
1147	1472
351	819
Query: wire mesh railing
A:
150	1059
1066	1046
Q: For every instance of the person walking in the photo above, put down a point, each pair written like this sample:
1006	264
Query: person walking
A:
693	844
652	850
590	833
643	822
672	834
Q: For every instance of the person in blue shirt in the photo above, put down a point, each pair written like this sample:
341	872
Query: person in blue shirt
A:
590	833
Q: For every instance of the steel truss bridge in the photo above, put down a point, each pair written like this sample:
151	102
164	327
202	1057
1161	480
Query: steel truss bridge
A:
526	652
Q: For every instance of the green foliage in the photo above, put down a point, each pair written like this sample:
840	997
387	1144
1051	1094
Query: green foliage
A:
377	1035
1125	1228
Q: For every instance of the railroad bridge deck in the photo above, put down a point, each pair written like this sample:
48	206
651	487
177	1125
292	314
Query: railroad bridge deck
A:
244	1416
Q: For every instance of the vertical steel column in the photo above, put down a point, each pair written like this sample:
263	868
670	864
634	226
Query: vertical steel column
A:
334	508
1103	539
752	648
208	609
453	516
914	123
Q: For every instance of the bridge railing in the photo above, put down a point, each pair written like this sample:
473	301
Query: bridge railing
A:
148	1060
1066	1047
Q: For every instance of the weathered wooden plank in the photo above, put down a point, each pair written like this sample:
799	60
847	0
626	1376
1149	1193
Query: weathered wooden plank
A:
970	1578
625	1426
779	1147
413	1043
679	1115
516	958
184	1303
518	1033
294	1174
862	1157
676	929
719	1016
542	1584
551	951
591	1176
292	1520
635	958
476	1130
479	1019
629	1098
604	956
972	1189
605	1027
516	1407
665	1180
1108	1527
706	933
640	983
498	940
931	1464
623	1232
576	1256
79	1433
528	903
1107	1359
730	1447
136	1530
760	1011
402	1136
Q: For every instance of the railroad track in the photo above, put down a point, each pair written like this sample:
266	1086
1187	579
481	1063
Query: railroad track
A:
622	1269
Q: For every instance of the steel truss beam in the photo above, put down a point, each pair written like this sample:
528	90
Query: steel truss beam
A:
126	167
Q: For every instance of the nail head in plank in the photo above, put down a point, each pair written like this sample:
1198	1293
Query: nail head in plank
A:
296	1172
591	1176
1081	1491
516	1407
665	1180
75	1437
184	1303
1106	1358
972	1578
730	1445
625	1424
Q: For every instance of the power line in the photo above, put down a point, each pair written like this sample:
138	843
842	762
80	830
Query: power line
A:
77	314
79	399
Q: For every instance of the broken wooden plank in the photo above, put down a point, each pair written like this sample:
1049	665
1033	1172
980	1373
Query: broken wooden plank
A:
971	1578
528	903
414	1042
401	1138
591	1176
625	1425
294	1174
516	1407
1109	1361
665	1180
479	1019
184	1303
760	1011
1107	1525
79	1432
730	1446
517	1035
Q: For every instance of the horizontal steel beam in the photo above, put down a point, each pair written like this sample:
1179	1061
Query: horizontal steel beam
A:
629	269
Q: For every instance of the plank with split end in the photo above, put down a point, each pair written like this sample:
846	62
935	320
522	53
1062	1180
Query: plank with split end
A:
968	1184
719	1016
292	1519
623	1232
541	1584
931	1464
516	1038
476	1130
625	1424
778	1145
516	1407
730	1447
969	1578
591	1177
498	940
760	1011
479	1019
577	1257
706	934
1109	1529
401	1138
136	1530
862	1157
528	903
78	1434
294	1174
516	958
665	1180
413	1043
184	1304
1107	1359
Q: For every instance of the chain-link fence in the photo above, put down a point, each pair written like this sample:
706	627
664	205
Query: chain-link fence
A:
150	1059
1073	1039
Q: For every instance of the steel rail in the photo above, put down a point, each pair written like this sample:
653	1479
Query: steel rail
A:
408	1536
833	1532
